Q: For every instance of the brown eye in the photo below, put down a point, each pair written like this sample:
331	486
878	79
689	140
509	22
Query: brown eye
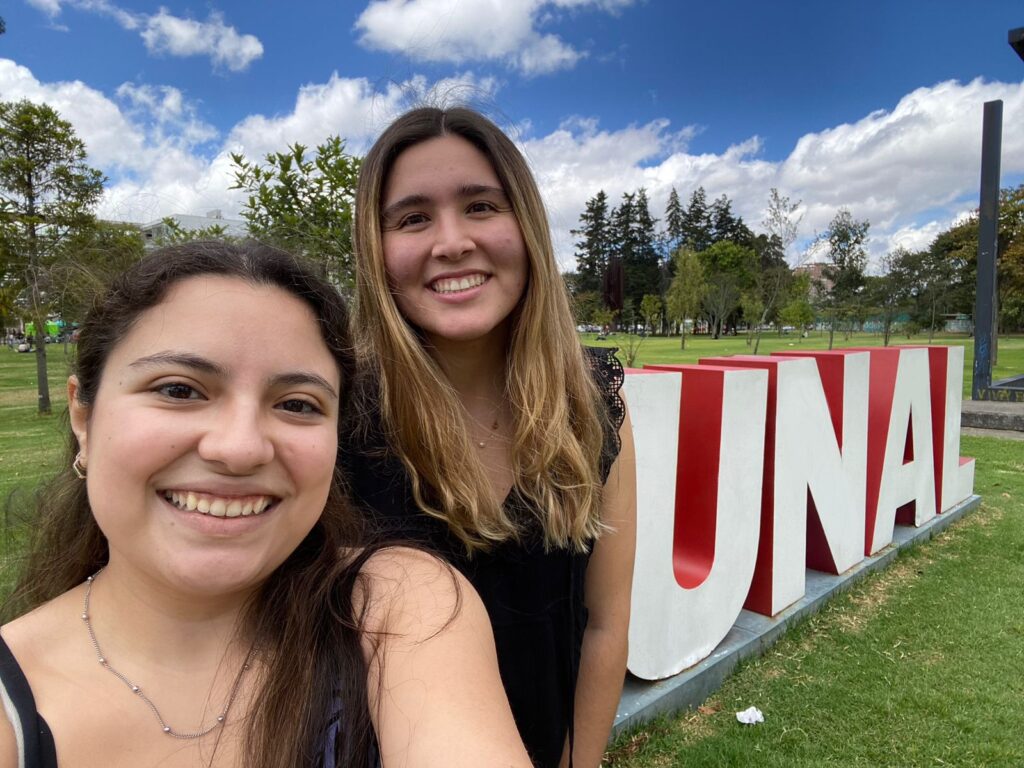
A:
178	391
303	407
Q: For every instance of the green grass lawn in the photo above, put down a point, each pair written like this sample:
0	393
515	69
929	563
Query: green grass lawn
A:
30	443
659	349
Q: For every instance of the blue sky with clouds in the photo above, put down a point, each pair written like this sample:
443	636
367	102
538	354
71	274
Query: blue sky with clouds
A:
874	106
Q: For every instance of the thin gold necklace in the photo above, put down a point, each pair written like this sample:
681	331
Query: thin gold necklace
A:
221	718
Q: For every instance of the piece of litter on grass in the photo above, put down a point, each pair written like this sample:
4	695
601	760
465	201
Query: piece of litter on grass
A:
750	716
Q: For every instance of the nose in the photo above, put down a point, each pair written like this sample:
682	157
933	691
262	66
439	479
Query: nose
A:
236	438
453	239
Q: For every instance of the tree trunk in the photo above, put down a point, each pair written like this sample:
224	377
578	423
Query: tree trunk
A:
831	331
41	377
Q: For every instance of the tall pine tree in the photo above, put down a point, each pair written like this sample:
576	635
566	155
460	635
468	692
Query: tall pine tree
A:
696	223
594	244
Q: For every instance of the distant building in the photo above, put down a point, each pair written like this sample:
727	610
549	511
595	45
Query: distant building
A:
958	322
820	284
153	232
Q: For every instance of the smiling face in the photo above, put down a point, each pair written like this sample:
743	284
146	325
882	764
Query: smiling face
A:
211	441
453	250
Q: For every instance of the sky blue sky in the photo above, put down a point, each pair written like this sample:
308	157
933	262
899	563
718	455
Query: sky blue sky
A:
874	106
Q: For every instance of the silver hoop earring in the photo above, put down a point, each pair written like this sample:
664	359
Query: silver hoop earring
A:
78	467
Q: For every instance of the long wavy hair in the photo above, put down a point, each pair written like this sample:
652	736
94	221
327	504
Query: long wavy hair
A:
557	428
302	619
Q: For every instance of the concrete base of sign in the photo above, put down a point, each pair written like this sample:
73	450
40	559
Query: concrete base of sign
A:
753	633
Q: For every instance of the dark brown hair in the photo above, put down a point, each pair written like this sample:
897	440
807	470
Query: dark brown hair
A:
302	619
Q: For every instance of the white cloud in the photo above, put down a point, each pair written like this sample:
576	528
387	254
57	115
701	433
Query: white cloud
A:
50	7
911	171
483	30
165	107
166	33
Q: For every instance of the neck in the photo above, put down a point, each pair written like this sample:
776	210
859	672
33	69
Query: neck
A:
475	369
140	619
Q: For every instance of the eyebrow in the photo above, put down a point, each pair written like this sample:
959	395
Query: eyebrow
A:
415	199
202	365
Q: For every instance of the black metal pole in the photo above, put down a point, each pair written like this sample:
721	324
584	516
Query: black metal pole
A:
988	232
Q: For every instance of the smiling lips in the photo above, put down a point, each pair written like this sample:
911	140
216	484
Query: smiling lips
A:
218	506
458	284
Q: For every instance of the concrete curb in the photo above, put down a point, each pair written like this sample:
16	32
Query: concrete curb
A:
753	634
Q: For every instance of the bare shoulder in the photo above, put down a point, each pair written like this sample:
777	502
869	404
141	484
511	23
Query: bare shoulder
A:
33	639
42	631
414	595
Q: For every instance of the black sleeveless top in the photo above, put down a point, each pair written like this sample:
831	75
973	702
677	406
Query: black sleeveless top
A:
534	598
35	741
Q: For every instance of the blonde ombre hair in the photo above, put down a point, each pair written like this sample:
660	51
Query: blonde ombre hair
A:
558	415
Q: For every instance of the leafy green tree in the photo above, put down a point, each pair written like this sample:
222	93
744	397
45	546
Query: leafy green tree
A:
92	258
173	233
847	259
650	310
731	269
686	292
797	311
753	308
47	194
594	243
585	306
304	203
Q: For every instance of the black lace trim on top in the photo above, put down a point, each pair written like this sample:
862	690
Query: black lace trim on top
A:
608	375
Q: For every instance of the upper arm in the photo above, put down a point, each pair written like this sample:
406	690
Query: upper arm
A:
435	694
609	581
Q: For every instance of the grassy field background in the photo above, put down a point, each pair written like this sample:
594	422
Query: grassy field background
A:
920	665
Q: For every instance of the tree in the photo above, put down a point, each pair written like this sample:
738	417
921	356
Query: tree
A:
594	244
634	241
650	310
174	234
797	311
686	292
847	260
304	204
47	194
696	222
585	306
726	226
91	259
720	300
753	309
780	219
674	223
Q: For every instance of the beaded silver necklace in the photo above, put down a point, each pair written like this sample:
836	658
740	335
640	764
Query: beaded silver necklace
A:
221	718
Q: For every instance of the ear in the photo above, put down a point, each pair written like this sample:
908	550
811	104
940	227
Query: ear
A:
79	414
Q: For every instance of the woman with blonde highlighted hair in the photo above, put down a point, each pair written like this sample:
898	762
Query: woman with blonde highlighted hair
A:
484	429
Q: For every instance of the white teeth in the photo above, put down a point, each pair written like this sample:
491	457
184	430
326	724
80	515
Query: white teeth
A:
453	285
218	507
